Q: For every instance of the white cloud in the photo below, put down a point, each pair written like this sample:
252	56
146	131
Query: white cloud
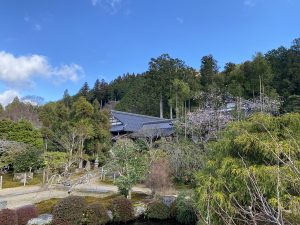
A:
65	73
111	6
8	96
20	71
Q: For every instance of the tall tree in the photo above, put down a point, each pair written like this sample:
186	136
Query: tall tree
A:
84	91
67	99
1	110
82	109
209	68
162	71
84	131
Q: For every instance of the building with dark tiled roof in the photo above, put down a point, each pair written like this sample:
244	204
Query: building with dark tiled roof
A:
137	125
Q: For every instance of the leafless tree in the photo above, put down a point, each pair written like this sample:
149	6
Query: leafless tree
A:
159	177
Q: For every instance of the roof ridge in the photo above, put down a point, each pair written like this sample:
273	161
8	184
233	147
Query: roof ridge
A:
154	122
135	114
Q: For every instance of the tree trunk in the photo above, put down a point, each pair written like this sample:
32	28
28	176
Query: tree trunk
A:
81	155
185	119
129	194
260	95
161	107
171	112
177	113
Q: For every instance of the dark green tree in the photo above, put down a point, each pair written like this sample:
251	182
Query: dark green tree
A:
209	68
84	91
22	132
82	109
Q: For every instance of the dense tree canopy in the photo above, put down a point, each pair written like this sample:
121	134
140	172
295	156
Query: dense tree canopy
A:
255	163
21	131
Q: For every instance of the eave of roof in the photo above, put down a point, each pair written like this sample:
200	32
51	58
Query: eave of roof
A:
132	122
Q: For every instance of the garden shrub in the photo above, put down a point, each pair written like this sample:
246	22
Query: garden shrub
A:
69	211
173	210
122	210
95	214
8	217
157	210
185	212
26	213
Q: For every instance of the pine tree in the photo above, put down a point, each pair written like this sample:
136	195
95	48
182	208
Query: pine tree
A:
84	91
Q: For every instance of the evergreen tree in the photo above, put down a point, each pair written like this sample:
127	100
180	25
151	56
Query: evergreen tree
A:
67	99
1	110
96	105
82	109
84	91
96	91
22	132
209	68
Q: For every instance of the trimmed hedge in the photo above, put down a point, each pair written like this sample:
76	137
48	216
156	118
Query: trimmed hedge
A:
69	211
95	214
26	213
158	210
8	217
122	210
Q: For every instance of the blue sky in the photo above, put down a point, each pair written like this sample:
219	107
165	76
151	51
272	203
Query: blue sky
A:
47	46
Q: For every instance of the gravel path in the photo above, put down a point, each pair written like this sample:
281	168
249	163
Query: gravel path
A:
21	196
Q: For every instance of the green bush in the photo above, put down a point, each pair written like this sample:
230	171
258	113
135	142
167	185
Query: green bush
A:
95	214
185	211
69	211
122	210
158	210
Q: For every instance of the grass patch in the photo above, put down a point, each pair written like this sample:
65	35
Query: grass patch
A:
8	181
46	206
106	181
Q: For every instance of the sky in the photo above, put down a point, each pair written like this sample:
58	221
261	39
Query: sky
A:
47	46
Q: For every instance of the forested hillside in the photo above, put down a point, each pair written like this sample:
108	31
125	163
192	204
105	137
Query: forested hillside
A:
171	82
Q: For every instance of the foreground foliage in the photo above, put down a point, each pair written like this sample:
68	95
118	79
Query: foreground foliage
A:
185	209
252	173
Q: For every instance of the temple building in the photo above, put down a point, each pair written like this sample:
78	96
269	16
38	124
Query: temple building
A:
137	126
